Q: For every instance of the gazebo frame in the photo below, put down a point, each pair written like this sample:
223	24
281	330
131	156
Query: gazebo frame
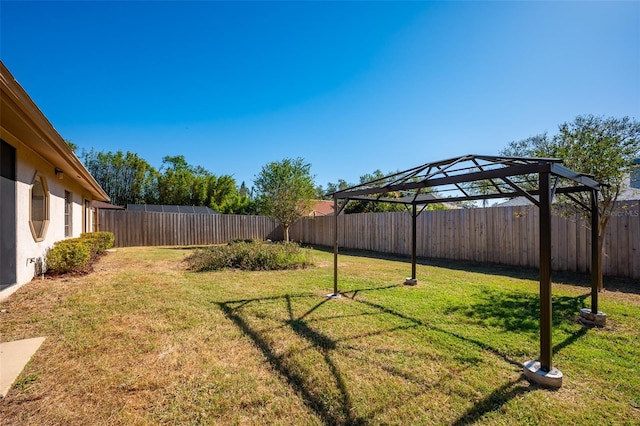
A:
536	179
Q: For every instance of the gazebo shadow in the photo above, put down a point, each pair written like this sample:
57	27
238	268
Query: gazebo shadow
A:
514	388
494	401
344	414
518	311
329	349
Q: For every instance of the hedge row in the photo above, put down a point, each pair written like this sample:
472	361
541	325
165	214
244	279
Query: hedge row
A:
77	254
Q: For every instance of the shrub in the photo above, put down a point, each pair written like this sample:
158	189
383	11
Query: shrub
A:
101	240
250	256
77	254
71	255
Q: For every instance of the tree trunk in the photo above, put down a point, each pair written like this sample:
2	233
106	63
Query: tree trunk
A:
285	230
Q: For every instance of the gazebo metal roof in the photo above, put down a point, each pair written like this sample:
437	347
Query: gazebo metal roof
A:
480	177
497	177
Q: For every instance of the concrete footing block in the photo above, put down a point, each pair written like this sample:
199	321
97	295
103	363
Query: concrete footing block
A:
587	317
333	296
411	281
548	379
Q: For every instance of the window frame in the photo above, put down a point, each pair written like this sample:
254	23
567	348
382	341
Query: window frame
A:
40	233
68	214
86	226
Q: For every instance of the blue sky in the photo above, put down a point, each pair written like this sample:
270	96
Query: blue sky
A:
351	87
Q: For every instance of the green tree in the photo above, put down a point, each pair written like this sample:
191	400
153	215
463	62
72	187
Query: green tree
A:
320	193
359	206
238	204
244	191
127	178
334	187
72	145
221	191
237	201
180	183
285	190
602	147
176	183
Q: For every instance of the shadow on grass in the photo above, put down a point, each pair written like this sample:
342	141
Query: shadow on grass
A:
507	392
340	409
324	344
518	311
494	401
422	323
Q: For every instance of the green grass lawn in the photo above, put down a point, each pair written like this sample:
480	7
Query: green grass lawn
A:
143	341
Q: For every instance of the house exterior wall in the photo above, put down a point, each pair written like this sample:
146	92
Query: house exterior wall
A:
39	150
29	251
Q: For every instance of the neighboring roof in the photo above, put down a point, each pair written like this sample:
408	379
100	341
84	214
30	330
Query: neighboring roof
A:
30	126
321	208
634	177
105	206
516	202
631	190
169	209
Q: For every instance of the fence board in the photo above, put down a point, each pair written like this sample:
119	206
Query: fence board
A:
157	229
624	227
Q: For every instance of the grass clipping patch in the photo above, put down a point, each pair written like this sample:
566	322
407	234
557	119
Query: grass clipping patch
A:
250	255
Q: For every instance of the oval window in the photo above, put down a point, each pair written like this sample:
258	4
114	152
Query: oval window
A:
39	218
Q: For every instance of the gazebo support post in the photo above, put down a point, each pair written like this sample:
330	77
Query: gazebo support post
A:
595	264
542	372
545	273
335	249
593	316
413	280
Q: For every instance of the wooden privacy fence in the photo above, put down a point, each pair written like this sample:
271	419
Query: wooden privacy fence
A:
133	228
507	235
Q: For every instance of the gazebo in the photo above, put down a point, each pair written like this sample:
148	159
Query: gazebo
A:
481	177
